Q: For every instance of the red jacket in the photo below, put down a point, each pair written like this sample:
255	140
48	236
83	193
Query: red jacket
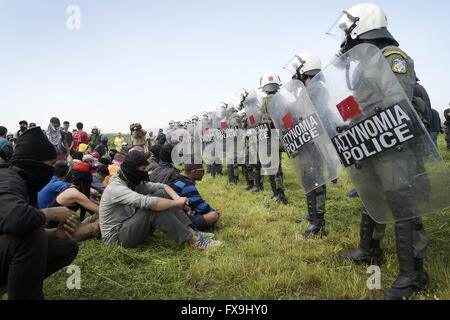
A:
79	136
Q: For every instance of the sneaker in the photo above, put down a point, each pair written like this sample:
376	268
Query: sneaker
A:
208	235
206	244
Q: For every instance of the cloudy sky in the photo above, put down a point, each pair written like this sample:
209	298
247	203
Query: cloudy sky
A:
155	61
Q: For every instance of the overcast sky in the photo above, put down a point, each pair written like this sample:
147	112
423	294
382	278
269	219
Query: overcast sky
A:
155	61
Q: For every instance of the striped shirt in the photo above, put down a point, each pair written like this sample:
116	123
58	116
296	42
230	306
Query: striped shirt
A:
185	187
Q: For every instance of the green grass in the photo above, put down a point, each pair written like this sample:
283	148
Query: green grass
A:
262	256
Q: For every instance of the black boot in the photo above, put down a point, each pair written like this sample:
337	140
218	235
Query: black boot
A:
281	196
316	225
247	179
367	252
259	186
422	277
230	174
273	185
407	282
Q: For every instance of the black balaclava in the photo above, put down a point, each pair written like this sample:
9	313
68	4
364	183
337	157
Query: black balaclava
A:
129	171
31	150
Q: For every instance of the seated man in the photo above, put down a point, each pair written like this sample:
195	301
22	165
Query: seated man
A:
76	197
57	184
128	217
153	158
28	252
166	172
201	214
98	178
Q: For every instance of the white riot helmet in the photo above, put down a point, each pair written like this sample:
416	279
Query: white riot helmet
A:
194	119
270	82
171	124
364	21
229	108
304	64
95	128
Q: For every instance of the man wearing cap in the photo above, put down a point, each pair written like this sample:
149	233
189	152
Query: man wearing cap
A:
28	252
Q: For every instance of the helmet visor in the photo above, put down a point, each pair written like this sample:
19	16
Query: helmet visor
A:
342	27
293	64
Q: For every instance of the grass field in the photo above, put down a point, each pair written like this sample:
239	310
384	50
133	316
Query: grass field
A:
262	257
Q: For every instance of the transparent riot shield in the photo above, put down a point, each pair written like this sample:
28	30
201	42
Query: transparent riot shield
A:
253	111
311	152
397	170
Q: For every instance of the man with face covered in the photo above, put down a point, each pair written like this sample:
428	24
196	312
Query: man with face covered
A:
28	252
23	126
57	137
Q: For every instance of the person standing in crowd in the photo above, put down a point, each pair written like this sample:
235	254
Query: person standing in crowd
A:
131	209
118	141
161	137
57	137
94	139
138	135
3	133
435	126
69	137
102	147
203	217
79	137
150	140
23	127
447	126
28	252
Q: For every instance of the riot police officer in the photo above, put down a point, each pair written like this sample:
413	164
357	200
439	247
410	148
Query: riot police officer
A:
270	83
307	65
234	127
367	23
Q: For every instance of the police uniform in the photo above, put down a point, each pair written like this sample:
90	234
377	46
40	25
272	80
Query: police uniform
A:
235	122
276	180
395	186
